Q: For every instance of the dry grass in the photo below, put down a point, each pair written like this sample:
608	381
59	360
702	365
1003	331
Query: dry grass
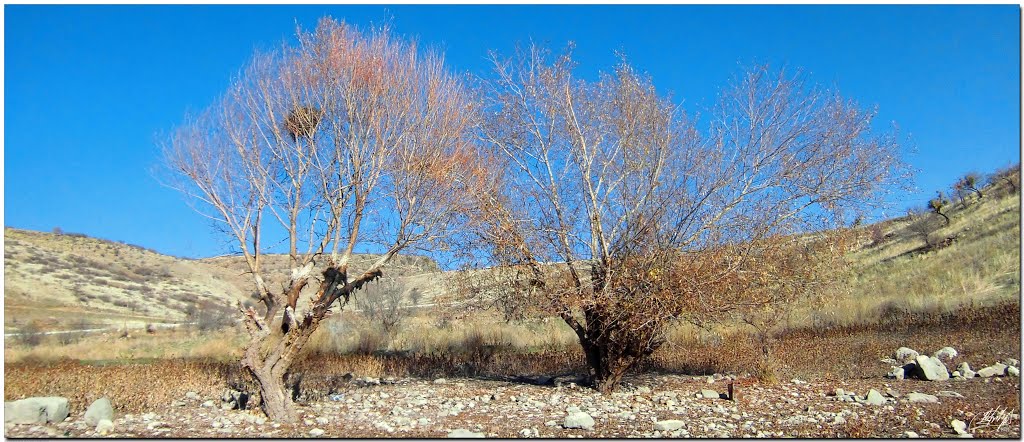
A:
223	345
982	335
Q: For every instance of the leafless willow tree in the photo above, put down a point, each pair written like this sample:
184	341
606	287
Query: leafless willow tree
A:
619	214
385	305
348	139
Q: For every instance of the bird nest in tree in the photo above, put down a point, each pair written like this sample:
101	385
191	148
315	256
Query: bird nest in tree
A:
302	122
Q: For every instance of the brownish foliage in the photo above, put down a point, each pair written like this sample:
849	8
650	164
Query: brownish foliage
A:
616	213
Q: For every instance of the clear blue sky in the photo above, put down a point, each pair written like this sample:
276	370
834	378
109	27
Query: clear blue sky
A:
87	89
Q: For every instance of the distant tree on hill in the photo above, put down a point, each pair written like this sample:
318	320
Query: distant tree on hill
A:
971	182
1010	176
925	225
938	205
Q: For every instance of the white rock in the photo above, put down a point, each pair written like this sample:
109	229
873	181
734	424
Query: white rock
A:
922	398
316	432
946	353
669	425
997	369
904	355
959	426
896	373
104	426
1013	371
462	433
931	369
578	420
874	398
99	410
910	435
709	394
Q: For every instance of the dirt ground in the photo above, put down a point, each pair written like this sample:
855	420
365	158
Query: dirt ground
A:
421	408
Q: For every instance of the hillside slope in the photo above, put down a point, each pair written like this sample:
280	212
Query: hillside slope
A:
895	270
71	281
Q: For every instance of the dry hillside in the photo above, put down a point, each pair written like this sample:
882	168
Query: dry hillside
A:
71	281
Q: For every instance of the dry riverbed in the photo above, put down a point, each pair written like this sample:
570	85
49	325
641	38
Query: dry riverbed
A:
648	406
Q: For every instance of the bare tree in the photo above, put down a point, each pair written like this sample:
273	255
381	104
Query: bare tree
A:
924	225
347	139
384	304
1009	175
618	215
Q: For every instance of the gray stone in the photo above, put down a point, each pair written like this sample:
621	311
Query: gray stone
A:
462	433
993	370
104	426
947	393
896	373
874	398
440	381
959	426
36	410
931	369
669	425
316	432
192	395
709	394
1013	371
910	435
578	420
922	398
208	404
1011	362
99	410
904	355
946	353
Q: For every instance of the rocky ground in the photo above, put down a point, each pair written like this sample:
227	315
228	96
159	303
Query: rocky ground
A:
647	406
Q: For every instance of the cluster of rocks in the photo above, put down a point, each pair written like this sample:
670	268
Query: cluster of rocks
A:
908	363
55	409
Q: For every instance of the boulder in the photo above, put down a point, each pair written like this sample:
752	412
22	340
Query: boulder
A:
99	410
916	397
104	426
874	398
946	353
669	425
904	355
910	435
578	419
709	394
36	410
931	369
462	433
316	432
1013	371
993	370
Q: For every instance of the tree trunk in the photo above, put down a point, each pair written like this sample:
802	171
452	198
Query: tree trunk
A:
276	402
607	368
